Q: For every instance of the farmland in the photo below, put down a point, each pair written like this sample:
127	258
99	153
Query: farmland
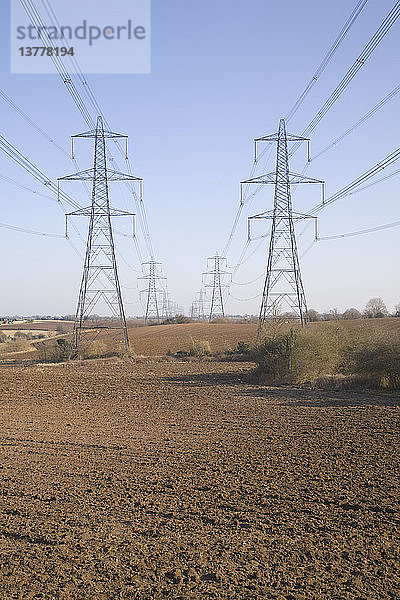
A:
155	477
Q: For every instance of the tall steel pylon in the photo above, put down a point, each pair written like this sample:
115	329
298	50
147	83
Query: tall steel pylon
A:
283	292
153	300
100	286
197	309
217	300
166	305
200	305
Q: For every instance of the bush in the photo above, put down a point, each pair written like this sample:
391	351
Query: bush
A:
199	348
243	348
360	356
176	320
96	349
63	348
274	356
375	356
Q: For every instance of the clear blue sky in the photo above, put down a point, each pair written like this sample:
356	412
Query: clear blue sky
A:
222	74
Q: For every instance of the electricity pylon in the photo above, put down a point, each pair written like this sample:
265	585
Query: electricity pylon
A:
217	299
199	305
283	287
153	312
166	305
197	309
100	281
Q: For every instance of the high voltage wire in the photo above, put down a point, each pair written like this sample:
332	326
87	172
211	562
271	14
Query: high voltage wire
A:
244	200
15	106
25	187
30	121
345	29
360	232
67	79
328	57
369	48
36	20
142	216
352	72
11	151
249	282
31	231
349	188
363	119
64	198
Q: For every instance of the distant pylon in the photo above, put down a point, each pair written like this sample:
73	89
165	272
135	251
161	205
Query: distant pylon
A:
283	292
153	293
217	300
166	308
197	309
100	281
200	302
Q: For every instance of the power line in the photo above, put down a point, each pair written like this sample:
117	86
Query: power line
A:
17	156
352	72
249	282
141	210
360	232
31	122
31	231
327	58
364	118
80	103
25	187
349	188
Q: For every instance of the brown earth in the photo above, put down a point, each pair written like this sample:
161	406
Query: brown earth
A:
155	479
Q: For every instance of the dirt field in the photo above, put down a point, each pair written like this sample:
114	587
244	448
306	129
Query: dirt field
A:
151	480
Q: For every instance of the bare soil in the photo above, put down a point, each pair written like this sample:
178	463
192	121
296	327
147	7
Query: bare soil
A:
153	479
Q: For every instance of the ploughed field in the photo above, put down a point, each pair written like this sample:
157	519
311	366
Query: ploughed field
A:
154	479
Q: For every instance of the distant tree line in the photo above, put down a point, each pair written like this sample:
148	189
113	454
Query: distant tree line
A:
374	309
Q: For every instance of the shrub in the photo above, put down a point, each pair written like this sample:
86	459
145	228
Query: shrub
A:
243	348
96	349
274	356
63	348
375	356
199	348
176	320
360	356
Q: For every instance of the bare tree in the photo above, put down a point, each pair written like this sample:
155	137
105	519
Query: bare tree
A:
352	313
312	315
375	309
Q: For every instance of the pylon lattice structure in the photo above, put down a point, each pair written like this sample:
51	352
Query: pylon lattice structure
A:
156	299
216	276
166	305
198	306
100	284
283	292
